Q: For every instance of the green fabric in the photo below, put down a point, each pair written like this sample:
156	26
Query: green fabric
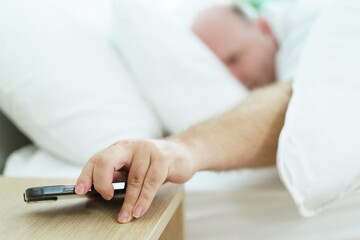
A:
256	4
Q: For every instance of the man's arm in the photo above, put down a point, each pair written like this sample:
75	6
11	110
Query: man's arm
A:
244	137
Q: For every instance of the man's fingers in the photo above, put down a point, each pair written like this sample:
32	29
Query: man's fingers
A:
103	176
145	171
84	181
120	176
138	169
107	162
155	177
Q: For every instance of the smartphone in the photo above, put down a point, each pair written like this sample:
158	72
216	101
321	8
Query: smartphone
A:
53	193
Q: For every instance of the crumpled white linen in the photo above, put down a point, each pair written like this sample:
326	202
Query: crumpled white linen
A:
318	155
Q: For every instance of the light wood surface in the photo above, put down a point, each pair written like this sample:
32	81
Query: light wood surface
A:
86	219
172	230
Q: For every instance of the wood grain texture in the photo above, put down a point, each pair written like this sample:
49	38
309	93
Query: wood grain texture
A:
82	218
175	229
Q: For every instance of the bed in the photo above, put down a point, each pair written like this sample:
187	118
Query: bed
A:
246	204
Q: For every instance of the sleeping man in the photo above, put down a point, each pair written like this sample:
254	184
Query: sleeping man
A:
257	50
244	137
247	47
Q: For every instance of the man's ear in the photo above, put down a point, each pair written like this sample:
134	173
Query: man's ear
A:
264	26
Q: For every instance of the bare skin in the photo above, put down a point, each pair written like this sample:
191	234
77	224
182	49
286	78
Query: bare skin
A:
246	46
243	137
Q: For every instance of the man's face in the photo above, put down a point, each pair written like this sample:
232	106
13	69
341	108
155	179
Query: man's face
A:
247	48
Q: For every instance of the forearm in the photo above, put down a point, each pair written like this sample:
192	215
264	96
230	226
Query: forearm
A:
244	137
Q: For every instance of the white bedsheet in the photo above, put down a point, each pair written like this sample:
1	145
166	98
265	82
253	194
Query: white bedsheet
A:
266	214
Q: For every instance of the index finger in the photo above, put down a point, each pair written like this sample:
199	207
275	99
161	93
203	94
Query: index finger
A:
84	181
108	160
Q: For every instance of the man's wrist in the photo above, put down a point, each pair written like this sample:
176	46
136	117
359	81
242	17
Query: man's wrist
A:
192	151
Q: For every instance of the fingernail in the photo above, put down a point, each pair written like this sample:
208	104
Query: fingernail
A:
107	197
137	212
80	188
124	215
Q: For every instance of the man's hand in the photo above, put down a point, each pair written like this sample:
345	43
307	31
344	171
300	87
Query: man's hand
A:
150	164
244	137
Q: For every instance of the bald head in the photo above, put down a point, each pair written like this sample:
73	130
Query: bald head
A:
246	46
215	15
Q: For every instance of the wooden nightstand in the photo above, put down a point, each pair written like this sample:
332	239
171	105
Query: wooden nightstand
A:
86	219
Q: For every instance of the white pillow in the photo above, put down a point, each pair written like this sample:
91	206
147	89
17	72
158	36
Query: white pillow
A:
179	75
31	161
66	90
319	154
